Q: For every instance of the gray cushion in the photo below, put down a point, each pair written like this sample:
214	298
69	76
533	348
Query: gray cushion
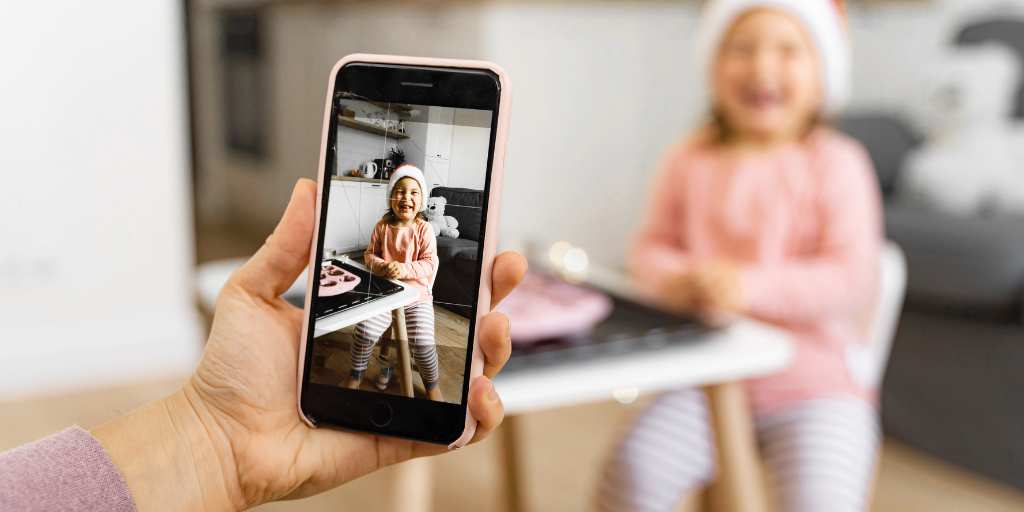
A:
888	140
450	248
968	264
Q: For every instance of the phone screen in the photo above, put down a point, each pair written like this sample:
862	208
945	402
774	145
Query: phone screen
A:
403	220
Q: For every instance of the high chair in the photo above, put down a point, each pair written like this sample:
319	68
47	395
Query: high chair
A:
740	485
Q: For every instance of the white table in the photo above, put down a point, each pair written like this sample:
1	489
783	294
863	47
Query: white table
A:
718	364
212	277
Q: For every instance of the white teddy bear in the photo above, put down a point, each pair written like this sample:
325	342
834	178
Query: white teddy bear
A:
972	160
444	225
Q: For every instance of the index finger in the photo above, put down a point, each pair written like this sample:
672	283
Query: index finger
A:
509	268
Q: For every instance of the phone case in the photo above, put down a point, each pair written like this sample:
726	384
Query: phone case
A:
491	223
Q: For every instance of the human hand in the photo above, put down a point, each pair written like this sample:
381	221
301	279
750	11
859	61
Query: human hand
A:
712	291
394	270
232	437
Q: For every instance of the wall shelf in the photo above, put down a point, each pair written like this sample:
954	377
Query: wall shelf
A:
367	127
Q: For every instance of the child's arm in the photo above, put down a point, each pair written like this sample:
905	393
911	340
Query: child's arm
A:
840	278
426	265
659	251
375	263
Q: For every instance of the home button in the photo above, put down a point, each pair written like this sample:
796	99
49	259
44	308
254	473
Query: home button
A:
381	414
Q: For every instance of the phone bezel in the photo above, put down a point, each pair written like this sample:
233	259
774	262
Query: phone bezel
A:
459	87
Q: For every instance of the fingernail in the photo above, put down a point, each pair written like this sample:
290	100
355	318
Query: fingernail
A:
492	395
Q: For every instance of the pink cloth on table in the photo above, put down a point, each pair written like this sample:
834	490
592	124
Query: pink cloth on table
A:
803	223
542	307
415	247
68	471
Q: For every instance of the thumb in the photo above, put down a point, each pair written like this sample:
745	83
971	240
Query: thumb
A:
285	253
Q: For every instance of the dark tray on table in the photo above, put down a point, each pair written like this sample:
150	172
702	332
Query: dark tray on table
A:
629	329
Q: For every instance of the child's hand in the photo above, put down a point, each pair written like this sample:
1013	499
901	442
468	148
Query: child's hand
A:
711	290
394	270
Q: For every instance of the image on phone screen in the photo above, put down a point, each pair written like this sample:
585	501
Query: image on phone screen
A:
402	228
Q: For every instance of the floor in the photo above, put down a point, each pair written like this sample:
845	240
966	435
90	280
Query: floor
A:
332	360
563	452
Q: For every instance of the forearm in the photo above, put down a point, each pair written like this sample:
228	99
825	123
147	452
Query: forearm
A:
808	291
420	269
651	264
373	262
167	457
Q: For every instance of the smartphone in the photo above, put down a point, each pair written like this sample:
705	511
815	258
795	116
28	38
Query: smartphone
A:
409	183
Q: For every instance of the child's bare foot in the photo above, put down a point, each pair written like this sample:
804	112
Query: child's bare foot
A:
353	383
435	394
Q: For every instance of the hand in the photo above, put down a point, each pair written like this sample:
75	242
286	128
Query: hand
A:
238	440
710	290
394	270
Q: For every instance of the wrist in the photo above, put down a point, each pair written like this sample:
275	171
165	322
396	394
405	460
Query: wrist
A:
168	457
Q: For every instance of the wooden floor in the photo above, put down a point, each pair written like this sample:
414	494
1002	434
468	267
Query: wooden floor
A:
332	360
563	453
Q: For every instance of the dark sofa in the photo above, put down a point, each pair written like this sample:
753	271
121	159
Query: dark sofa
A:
456	281
954	382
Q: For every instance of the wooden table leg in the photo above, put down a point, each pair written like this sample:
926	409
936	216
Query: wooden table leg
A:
740	483
413	486
401	337
515	501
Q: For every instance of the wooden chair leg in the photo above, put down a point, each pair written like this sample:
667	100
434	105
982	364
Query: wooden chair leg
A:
401	337
515	500
739	485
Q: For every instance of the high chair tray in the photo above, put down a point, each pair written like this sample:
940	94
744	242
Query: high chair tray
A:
631	327
371	296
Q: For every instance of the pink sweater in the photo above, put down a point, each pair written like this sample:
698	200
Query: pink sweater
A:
68	471
415	247
803	223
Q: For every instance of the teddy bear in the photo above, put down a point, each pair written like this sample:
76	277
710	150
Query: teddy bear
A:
444	225
970	163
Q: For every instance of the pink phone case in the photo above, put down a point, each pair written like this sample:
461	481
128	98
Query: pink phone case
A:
494	199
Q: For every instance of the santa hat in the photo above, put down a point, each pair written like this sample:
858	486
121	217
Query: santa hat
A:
409	171
824	20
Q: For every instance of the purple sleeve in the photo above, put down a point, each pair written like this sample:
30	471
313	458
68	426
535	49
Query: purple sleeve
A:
66	471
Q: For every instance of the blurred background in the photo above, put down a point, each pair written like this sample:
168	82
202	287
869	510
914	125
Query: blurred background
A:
142	139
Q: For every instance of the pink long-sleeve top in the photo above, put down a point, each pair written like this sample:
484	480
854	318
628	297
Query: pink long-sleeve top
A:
68	471
802	222
413	246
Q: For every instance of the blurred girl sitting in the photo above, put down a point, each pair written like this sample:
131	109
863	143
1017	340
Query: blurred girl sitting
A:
768	213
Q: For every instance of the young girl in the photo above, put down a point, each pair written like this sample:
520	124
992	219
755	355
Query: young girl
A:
767	213
403	247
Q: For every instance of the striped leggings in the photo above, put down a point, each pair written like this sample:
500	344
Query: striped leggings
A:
820	453
419	322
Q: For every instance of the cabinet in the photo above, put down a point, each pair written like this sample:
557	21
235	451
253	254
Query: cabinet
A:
341	231
372	206
353	209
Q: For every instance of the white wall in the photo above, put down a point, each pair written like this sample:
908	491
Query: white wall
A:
599	90
471	139
95	263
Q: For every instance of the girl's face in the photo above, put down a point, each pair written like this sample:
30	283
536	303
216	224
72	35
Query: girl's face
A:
766	79
406	199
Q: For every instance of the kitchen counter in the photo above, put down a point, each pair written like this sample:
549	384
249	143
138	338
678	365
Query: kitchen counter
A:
360	180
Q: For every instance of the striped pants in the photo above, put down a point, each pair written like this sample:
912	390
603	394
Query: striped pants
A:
419	322
820	453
